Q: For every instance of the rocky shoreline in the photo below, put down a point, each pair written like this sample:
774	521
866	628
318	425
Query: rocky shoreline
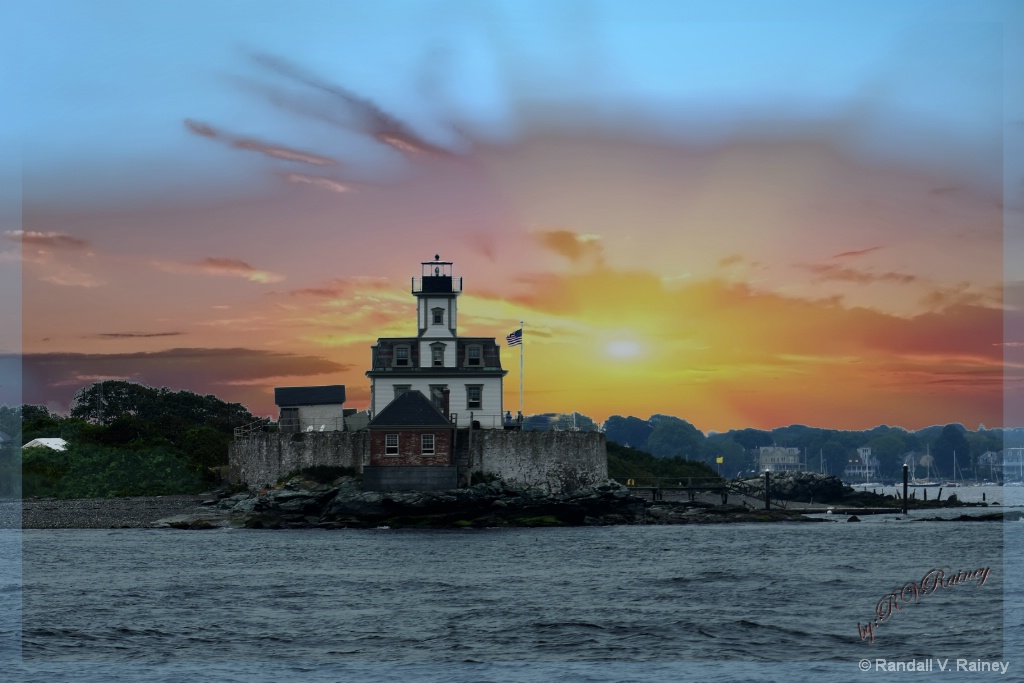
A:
343	504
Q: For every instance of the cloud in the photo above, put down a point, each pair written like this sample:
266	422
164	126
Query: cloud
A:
859	252
66	276
49	378
572	245
365	114
317	181
962	294
133	335
346	287
220	266
253	145
52	240
824	272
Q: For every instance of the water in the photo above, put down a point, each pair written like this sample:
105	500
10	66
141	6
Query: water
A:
743	602
1005	496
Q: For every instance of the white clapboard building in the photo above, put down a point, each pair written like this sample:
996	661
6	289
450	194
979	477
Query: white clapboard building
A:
462	376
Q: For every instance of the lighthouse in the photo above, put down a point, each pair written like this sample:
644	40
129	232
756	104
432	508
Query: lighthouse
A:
461	376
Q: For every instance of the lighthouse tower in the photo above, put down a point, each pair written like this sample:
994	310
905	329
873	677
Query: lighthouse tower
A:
462	376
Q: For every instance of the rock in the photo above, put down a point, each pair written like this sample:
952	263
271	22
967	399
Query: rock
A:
853	518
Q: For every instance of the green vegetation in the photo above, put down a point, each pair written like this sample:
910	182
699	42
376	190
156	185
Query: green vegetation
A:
624	463
123	439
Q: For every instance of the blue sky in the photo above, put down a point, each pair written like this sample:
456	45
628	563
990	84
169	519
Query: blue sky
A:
185	138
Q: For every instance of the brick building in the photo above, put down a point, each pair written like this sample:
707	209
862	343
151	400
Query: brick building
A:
411	446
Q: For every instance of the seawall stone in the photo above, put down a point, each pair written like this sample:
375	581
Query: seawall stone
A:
260	461
554	462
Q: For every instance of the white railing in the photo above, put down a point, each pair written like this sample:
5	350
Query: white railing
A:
291	426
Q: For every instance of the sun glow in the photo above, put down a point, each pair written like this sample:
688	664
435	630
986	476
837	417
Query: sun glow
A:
622	348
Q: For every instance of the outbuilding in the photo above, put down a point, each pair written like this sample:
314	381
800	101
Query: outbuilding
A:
311	409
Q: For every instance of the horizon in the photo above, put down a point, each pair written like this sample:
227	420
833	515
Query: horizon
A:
741	214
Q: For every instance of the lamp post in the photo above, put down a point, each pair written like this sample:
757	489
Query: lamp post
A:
767	492
904	488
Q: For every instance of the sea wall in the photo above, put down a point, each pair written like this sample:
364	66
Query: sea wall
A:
554	461
263	459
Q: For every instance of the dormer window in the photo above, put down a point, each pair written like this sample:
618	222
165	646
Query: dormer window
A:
474	355
402	356
438	315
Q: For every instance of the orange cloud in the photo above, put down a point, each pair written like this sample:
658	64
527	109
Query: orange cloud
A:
829	272
573	246
729	355
221	266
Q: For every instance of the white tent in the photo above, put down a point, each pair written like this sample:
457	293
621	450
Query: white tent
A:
56	444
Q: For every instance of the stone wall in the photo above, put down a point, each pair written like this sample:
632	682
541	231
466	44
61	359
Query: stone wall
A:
430	478
554	461
265	458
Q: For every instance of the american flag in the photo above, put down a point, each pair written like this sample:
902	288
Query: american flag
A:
516	338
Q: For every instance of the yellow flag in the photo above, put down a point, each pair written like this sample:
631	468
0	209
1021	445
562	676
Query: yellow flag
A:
719	460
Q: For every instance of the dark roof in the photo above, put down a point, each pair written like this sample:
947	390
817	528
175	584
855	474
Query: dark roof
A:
309	396
410	409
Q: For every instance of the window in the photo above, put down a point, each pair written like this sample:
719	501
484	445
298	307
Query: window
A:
401	355
391	444
427	444
437	395
437	352
438	315
473	396
401	389
289	420
472	355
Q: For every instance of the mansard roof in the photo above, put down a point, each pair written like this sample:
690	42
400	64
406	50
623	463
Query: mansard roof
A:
410	409
332	394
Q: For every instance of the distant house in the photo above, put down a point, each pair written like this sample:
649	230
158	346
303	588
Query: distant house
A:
5	443
54	444
863	468
311	409
779	459
411	446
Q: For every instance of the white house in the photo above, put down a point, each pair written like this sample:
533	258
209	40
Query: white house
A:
779	459
863	468
462	376
314	409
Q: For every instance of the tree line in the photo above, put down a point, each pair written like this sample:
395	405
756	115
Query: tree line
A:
122	439
822	450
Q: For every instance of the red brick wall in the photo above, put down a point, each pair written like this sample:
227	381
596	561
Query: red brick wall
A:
409	448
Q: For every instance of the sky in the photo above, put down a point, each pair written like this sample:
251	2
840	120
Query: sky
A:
744	214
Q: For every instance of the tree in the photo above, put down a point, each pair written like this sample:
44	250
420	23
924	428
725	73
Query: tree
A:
672	436
888	449
735	458
104	402
752	438
835	455
628	431
950	441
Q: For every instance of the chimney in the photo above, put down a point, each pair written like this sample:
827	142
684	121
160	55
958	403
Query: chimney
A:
444	403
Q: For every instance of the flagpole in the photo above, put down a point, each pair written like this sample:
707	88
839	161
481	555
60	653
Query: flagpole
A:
521	344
